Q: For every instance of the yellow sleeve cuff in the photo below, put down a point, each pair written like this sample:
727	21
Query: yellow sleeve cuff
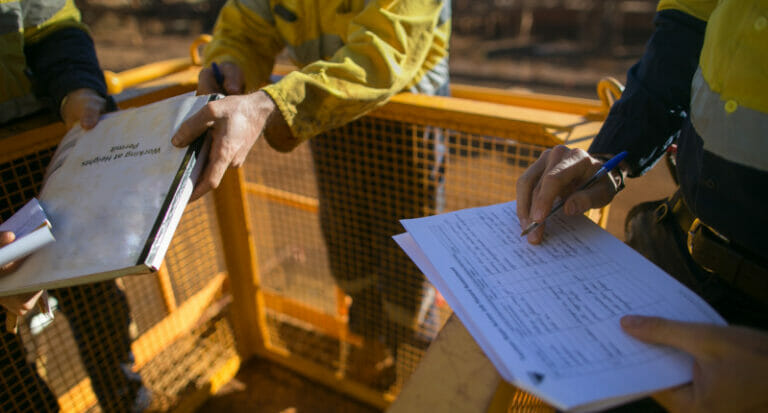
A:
283	143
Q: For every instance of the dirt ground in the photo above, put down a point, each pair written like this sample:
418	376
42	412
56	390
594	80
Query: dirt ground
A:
126	37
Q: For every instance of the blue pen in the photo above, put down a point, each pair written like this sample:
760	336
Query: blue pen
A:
218	76
607	167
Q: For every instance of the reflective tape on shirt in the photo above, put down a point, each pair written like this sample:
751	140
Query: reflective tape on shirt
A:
729	129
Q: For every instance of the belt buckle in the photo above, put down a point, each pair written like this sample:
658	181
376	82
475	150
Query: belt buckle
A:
696	227
692	231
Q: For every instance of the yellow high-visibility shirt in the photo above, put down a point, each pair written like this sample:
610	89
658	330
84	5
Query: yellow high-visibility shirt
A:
25	24
734	57
353	54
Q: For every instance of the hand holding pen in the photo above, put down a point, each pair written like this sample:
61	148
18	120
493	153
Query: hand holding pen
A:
573	176
226	78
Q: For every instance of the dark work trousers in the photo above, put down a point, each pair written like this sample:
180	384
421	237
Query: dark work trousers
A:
370	174
98	315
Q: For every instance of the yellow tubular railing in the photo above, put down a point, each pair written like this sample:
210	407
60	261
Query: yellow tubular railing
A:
118	82
609	90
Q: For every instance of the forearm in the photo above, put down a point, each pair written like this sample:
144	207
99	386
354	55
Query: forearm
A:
64	62
654	104
385	48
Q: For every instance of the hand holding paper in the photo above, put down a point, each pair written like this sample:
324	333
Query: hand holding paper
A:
732	364
548	316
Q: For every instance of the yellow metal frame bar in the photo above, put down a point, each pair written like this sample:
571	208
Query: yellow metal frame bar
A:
178	322
478	117
609	90
564	104
286	198
236	226
116	83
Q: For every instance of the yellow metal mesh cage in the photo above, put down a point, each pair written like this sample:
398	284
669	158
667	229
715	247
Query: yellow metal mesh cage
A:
313	278
338	292
118	345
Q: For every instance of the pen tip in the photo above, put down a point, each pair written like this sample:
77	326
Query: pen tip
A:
529	228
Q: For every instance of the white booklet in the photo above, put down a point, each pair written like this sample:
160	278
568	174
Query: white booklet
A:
114	196
32	229
547	316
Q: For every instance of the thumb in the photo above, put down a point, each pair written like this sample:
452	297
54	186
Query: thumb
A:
194	126
6	237
699	340
90	117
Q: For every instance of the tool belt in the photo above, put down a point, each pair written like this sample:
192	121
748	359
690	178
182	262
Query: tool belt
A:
714	253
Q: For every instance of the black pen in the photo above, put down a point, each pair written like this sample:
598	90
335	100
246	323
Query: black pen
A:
607	167
218	76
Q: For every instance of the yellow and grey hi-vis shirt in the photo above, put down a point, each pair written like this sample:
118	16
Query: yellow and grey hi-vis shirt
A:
353	54
729	92
22	23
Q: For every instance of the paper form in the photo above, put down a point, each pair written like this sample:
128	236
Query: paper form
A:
548	315
32	230
27	219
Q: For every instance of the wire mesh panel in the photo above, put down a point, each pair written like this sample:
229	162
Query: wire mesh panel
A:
121	345
338	291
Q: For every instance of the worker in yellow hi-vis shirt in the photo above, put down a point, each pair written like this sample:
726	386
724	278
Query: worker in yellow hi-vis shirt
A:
702	84
353	56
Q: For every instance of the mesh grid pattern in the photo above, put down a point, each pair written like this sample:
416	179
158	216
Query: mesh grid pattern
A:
20	180
197	253
82	360
338	292
332	252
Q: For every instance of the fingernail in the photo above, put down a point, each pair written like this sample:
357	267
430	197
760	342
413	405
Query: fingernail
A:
175	140
538	215
633	321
